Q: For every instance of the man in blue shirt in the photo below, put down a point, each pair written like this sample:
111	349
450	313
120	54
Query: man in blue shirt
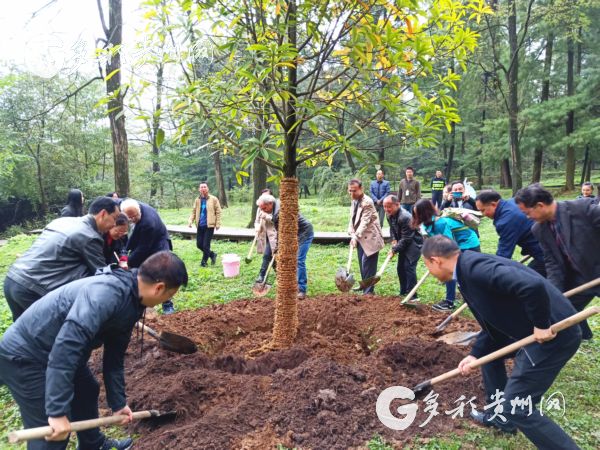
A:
380	189
513	228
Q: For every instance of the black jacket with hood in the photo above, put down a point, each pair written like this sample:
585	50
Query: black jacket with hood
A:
59	332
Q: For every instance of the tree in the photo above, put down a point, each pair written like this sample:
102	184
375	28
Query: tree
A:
115	91
297	65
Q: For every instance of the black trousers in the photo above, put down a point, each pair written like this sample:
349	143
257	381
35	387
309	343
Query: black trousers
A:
529	379
203	238
266	259
368	267
407	273
18	297
27	383
437	198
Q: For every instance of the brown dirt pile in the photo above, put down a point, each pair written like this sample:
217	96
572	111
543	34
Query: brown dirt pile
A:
319	394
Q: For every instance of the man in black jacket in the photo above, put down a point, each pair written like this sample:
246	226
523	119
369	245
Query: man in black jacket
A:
68	249
569	234
148	236
44	354
406	243
511	302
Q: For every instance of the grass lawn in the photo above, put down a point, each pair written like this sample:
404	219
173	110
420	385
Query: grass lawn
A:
578	381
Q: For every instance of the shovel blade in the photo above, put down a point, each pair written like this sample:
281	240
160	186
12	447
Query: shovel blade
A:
462	338
344	280
364	284
177	343
261	289
247	260
159	418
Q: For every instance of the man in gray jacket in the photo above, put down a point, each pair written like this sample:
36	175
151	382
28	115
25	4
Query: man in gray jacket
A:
44	354
68	249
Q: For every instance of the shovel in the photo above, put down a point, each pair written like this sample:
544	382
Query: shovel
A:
262	289
420	388
248	258
364	284
170	341
462	307
344	280
41	432
414	291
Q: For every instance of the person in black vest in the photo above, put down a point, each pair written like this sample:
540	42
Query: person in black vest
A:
44	354
513	228
148	236
406	243
438	183
569	234
511	302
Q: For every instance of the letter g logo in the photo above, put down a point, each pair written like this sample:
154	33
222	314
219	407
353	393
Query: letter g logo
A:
384	402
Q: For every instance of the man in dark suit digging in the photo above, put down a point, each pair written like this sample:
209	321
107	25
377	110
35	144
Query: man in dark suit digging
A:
511	302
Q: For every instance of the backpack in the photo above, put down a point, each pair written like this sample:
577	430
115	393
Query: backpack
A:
468	217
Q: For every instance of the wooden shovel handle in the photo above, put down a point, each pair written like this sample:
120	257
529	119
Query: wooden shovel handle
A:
414	290
349	263
253	245
41	432
460	309
524	259
558	326
268	269
385	263
140	326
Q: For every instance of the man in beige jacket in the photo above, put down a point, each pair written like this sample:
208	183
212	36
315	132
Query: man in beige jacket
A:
365	231
207	215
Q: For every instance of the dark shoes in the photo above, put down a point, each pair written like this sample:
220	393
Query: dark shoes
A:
260	279
213	259
122	444
204	264
444	306
483	418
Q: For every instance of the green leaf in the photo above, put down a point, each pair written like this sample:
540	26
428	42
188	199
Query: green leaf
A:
160	137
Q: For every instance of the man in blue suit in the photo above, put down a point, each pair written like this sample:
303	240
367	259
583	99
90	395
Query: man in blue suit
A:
380	189
513	228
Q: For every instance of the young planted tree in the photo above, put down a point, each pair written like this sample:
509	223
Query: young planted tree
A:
295	67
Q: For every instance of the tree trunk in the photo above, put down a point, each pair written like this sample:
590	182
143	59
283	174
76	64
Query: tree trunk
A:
538	156
259	182
586	161
154	184
505	177
40	181
116	113
451	153
570	124
285	324
513	99
221	194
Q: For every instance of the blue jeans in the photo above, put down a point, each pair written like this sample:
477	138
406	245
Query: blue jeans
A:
302	251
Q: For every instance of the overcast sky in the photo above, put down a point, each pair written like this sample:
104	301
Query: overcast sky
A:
61	36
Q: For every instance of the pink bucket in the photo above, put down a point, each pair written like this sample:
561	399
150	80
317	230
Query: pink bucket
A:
231	265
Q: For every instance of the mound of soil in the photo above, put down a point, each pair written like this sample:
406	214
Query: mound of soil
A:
319	394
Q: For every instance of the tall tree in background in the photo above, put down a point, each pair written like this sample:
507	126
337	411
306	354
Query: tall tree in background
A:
115	93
